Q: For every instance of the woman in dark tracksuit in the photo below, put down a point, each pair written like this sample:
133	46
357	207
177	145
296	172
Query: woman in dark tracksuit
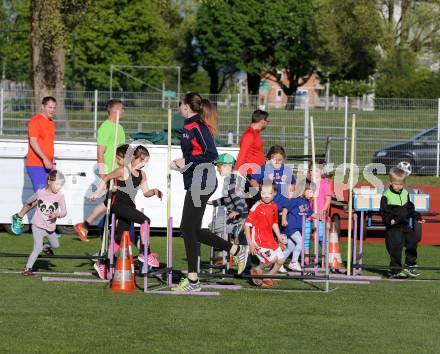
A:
199	178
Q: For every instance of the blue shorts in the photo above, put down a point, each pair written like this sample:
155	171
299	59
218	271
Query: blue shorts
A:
38	176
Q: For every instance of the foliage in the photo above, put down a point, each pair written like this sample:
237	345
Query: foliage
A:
347	34
397	73
15	54
255	36
411	23
124	33
291	40
182	42
351	88
218	42
54	30
197	82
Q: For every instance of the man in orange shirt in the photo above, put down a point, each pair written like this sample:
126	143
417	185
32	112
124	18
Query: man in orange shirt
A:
40	157
251	155
41	135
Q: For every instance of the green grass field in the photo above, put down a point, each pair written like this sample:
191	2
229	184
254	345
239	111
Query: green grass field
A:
382	317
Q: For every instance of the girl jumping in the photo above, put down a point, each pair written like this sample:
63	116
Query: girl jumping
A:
128	180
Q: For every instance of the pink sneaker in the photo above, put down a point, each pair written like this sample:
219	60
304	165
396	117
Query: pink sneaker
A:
101	269
27	272
151	259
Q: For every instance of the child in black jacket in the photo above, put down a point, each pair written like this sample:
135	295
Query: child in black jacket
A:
396	210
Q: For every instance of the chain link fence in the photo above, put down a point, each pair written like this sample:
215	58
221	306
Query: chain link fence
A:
388	131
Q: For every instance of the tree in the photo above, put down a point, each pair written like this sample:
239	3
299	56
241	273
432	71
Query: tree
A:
411	23
255	37
217	41
398	71
290	37
52	22
15	53
185	53
346	37
412	30
125	33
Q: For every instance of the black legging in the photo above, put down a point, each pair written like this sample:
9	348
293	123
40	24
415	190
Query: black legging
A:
190	228
126	214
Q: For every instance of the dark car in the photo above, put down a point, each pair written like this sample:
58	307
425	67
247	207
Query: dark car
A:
419	154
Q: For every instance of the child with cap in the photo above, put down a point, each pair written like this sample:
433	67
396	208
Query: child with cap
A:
234	208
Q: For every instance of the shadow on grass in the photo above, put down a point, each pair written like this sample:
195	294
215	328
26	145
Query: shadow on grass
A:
42	264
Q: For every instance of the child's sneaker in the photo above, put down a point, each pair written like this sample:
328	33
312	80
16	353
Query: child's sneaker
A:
256	281
269	283
27	272
82	232
241	258
101	269
151	259
17	224
401	275
294	266
282	270
186	285
411	271
48	251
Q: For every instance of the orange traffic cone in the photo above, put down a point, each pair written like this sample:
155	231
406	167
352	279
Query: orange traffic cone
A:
123	279
334	256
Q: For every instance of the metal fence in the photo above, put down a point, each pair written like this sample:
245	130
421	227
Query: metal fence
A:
388	131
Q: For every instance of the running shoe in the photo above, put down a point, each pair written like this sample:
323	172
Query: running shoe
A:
269	283
294	266
101	269
256	281
282	270
48	251
82	232
411	271
17	224
401	275
186	285
27	272
151	259
240	258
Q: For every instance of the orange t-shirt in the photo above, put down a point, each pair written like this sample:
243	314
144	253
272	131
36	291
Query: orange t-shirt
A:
43	129
251	151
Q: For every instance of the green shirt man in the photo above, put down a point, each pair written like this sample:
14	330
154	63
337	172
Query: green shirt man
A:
106	136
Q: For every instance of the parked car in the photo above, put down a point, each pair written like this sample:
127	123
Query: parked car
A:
418	154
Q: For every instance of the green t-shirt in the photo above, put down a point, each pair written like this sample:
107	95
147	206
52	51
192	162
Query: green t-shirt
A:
106	137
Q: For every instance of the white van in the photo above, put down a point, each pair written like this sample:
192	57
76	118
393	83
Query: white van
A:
77	161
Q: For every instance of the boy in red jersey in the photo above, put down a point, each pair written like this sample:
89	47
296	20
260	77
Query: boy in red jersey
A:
260	225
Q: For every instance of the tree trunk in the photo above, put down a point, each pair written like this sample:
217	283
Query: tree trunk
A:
290	92
47	58
213	81
253	81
